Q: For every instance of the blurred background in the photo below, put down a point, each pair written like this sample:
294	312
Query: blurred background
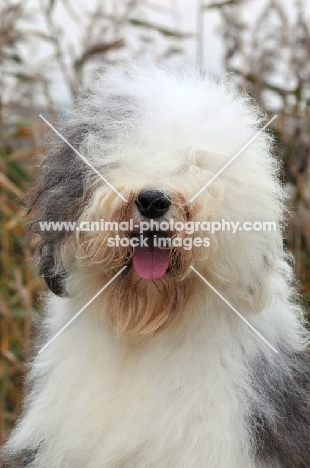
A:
49	52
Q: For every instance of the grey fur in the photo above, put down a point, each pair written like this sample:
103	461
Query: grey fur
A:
280	416
22	460
59	196
62	192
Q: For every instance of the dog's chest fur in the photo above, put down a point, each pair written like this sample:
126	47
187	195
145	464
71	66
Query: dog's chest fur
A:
172	401
192	397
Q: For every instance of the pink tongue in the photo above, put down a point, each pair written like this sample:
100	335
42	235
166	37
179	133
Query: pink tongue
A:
150	263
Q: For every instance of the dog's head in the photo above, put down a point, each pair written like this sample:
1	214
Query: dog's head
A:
158	138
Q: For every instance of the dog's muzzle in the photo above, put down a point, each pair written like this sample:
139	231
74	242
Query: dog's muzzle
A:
151	262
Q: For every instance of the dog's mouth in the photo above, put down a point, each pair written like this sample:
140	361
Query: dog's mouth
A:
151	257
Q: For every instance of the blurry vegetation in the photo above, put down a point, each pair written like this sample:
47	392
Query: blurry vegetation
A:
270	58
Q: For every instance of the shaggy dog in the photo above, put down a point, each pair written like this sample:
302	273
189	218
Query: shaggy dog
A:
159	371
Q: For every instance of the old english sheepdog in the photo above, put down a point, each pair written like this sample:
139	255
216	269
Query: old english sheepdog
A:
171	336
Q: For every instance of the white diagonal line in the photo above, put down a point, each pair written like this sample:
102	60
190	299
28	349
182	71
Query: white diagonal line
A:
233	158
83	159
83	308
235	310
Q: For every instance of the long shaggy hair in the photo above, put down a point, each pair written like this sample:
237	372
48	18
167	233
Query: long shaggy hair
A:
158	371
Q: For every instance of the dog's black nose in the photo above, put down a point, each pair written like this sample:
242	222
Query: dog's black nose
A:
152	203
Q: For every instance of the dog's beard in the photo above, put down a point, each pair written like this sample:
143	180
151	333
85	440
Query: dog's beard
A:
134	305
152	292
137	306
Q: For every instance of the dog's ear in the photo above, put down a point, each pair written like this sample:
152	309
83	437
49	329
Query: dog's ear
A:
59	196
55	277
56	283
